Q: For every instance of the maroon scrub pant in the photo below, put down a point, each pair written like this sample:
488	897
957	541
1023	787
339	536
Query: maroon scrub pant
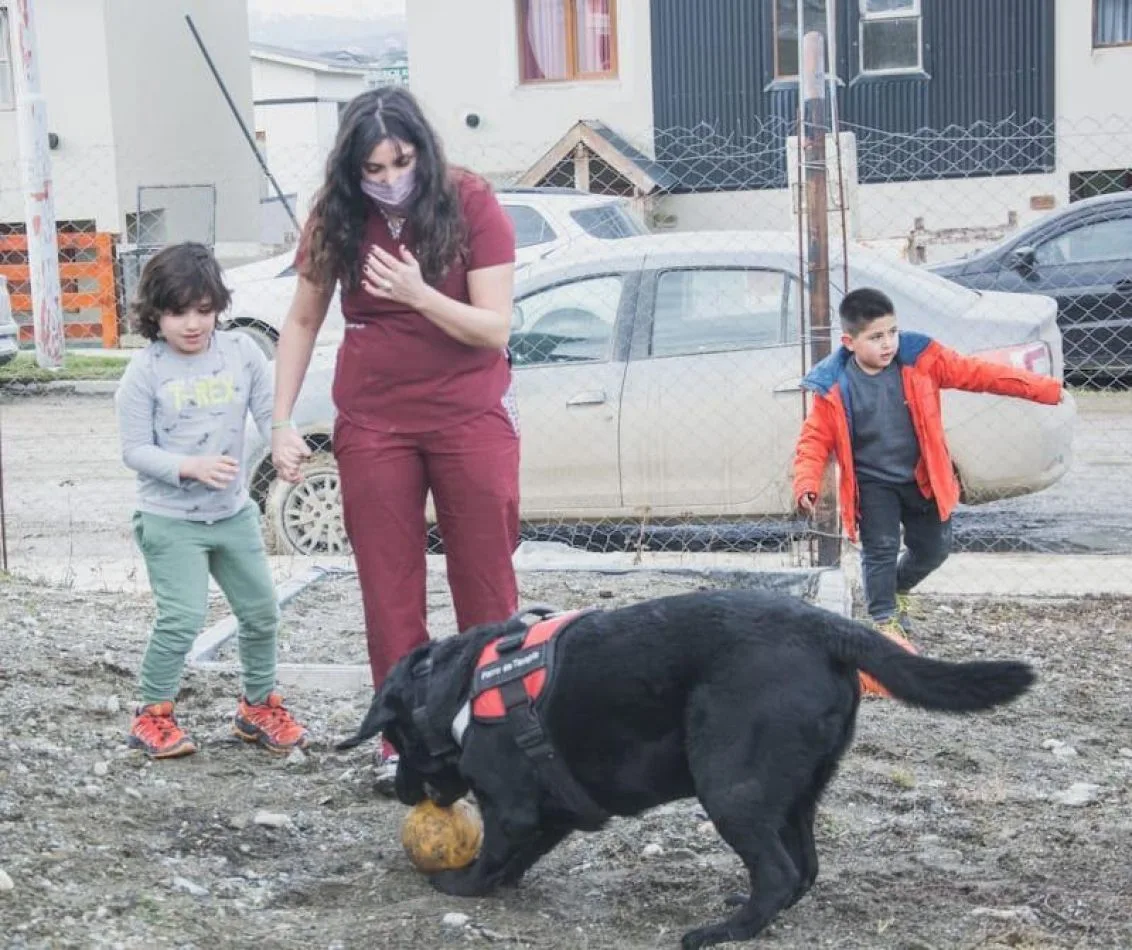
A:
472	470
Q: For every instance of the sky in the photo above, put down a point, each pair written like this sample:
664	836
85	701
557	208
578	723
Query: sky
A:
361	9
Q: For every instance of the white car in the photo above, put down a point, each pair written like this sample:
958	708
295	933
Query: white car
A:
9	330
546	220
659	380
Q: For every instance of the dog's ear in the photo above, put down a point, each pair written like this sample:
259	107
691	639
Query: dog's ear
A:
378	719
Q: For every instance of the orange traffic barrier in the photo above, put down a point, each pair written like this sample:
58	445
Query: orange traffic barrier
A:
86	260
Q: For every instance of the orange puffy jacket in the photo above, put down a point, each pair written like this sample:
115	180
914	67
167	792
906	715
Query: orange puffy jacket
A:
926	367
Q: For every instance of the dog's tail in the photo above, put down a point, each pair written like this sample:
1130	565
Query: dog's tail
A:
921	681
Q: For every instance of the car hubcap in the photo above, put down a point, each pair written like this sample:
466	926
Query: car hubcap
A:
312	516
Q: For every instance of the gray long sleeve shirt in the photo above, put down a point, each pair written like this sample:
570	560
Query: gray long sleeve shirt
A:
171	406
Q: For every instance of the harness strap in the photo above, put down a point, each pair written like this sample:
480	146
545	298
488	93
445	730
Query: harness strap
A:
530	736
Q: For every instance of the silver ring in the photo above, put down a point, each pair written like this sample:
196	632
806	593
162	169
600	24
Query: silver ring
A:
387	285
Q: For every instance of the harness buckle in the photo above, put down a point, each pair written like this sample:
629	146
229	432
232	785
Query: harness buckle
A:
510	642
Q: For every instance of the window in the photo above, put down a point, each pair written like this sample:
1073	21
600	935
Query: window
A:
710	311
567	39
1112	23
1099	241
607	223
786	32
7	78
531	228
891	36
570	323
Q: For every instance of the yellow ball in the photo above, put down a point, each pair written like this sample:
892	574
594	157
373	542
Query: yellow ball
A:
442	839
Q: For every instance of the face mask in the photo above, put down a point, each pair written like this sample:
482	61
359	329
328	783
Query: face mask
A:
394	197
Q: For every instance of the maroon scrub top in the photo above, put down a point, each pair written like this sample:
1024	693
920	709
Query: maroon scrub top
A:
397	371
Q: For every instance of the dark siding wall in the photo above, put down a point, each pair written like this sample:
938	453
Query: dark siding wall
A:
986	95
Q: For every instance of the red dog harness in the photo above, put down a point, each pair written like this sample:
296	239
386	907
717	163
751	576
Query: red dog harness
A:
513	677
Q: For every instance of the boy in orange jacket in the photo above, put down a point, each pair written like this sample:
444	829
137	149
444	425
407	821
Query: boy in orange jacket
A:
876	409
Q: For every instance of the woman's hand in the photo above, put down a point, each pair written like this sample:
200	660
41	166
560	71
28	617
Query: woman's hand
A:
288	451
390	278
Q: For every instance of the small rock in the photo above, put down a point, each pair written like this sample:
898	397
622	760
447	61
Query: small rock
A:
296	757
270	819
239	822
455	920
1023	914
1079	793
6	883
101	769
346	776
706	828
945	609
940	859
133	793
189	887
113	705
1126	753
605	593
1061	749
652	851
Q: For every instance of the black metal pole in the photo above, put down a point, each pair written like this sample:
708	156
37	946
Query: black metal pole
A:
243	125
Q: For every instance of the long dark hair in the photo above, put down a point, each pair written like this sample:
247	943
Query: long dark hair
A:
340	209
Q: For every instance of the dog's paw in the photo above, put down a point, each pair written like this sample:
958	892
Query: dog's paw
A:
736	900
457	884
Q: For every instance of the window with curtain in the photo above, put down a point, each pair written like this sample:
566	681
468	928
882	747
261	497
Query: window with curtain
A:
891	36
7	89
566	39
786	32
1112	22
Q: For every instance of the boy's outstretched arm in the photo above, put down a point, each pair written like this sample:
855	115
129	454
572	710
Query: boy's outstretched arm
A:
812	453
953	370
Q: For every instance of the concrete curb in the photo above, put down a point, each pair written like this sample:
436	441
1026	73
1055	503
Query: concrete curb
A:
70	387
832	592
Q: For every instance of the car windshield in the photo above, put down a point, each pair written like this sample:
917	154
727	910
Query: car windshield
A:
608	222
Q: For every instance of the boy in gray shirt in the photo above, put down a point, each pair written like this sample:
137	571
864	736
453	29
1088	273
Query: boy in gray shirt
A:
182	408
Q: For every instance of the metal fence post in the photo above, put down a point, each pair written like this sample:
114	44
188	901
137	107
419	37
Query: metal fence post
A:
39	202
815	126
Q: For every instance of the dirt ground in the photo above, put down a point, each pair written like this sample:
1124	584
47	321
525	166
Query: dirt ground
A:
1008	830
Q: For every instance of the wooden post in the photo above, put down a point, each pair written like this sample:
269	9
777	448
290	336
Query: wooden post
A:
815	126
39	202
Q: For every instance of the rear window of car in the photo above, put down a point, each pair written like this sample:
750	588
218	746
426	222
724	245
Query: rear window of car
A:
608	222
531	228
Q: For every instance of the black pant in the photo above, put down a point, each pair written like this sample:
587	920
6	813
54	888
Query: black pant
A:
884	507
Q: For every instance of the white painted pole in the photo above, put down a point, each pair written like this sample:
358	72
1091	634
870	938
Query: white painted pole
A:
39	202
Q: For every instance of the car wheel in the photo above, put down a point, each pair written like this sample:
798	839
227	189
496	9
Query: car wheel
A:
307	518
260	336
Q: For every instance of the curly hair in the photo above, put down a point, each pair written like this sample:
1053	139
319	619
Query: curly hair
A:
177	278
338	216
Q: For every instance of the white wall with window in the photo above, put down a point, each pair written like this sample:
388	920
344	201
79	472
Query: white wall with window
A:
529	70
889	35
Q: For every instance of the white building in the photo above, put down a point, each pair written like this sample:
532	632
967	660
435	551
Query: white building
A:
552	63
147	146
298	99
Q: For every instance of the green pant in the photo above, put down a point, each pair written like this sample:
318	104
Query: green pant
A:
179	556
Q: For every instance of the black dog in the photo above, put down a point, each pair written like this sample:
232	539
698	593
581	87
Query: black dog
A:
745	700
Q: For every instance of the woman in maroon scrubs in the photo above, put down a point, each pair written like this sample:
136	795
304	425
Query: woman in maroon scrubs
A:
425	258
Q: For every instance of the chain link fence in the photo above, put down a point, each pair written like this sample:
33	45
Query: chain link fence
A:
661	333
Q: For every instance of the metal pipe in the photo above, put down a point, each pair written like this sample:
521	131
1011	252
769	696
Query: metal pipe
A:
835	128
39	200
813	91
242	124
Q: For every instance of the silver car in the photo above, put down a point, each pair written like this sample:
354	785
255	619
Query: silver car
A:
659	378
9	330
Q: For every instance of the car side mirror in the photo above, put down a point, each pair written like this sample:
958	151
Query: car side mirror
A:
1024	260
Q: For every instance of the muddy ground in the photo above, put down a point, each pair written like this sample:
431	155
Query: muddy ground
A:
1009	830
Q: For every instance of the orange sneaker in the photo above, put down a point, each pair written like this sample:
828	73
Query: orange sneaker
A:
269	724
156	733
895	632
